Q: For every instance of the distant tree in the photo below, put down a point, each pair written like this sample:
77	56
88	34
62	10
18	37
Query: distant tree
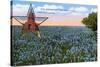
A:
91	21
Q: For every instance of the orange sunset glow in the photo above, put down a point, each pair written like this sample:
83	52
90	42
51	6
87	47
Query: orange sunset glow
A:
57	21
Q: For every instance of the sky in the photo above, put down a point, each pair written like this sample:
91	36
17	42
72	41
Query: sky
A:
59	14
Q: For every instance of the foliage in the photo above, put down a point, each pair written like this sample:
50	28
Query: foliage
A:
57	45
91	21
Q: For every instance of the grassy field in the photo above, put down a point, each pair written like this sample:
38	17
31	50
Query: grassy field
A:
65	44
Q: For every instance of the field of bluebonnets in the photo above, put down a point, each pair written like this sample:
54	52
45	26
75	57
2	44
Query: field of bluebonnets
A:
57	45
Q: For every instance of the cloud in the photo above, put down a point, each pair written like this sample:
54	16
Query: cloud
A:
53	6
79	10
49	9
93	10
20	10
